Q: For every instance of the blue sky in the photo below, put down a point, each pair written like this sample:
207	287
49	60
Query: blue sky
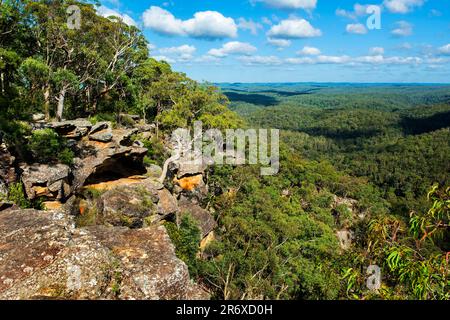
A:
295	40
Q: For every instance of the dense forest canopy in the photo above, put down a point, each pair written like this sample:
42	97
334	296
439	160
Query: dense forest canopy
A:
379	148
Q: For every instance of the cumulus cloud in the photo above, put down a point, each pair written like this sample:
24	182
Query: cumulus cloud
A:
345	60
293	28
402	6
403	29
291	4
309	51
107	12
358	11
261	60
356	28
178	54
445	50
249	25
375	51
164	58
234	47
205	24
280	43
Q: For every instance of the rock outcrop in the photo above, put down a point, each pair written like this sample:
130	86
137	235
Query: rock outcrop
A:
102	235
49	181
205	220
42	256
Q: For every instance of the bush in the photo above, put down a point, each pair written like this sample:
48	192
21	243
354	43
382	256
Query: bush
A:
186	240
66	156
45	145
17	196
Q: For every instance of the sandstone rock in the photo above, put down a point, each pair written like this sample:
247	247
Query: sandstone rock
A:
52	205
102	136
51	181
42	256
100	127
167	204
74	129
205	220
150	269
192	186
38	117
105	161
188	168
154	171
128	206
345	239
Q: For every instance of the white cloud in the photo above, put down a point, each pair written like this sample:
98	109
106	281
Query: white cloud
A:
303	60
403	29
107	12
178	54
164	58
291	4
376	51
267	21
358	11
445	49
402	6
249	25
261	60
356	28
233	47
206	24
293	28
309	51
151	47
333	59
184	49
280	43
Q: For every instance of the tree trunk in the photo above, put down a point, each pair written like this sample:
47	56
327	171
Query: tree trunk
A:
60	108
46	90
2	79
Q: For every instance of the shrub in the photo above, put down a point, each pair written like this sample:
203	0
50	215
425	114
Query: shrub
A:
45	145
186	240
17	196
66	156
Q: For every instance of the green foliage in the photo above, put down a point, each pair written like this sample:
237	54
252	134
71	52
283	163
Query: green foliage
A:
186	239
16	195
46	146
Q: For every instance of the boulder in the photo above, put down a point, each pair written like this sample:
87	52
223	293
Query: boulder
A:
50	181
102	136
154	171
345	238
42	256
100	126
192	186
167	204
74	129
38	117
128	206
150	268
205	220
108	160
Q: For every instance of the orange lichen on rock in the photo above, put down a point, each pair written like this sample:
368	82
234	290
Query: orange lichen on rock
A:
106	186
52	205
189	183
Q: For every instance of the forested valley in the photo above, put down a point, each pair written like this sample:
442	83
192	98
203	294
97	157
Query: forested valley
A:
364	169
